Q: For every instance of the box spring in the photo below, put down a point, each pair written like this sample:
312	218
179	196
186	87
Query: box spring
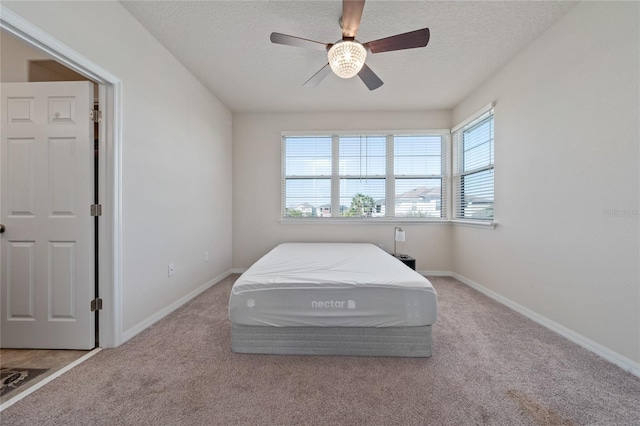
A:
350	341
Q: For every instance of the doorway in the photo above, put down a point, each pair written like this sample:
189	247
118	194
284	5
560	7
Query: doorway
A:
109	232
109	89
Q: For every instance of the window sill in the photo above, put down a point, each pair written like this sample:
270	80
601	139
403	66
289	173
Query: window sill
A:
373	221
475	223
383	221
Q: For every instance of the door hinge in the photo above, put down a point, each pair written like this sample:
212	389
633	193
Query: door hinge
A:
96	305
95	115
96	209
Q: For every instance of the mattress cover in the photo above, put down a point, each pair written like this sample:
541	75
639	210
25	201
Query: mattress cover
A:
332	285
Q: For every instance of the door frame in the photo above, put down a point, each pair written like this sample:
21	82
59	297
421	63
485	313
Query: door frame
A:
110	173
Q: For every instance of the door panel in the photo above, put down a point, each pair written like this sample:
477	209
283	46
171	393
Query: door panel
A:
62	286
21	273
47	259
20	187
62	167
21	110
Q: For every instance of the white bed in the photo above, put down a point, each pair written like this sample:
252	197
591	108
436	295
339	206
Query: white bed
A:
332	299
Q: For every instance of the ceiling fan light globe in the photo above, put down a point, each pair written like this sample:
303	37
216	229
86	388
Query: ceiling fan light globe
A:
346	58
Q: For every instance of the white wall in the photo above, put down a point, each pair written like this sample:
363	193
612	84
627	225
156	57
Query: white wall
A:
14	58
567	134
176	161
256	187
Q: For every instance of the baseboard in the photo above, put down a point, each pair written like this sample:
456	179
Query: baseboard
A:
436	273
598	349
148	322
238	270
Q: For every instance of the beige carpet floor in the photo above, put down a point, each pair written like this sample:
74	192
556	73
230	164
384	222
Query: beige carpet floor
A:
490	366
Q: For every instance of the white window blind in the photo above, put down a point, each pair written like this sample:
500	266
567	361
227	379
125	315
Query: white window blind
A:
365	176
473	174
307	169
420	176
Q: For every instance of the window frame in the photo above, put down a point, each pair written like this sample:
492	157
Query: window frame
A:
458	172
389	177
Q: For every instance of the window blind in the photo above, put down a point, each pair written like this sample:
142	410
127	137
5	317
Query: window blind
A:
473	178
364	176
419	164
306	182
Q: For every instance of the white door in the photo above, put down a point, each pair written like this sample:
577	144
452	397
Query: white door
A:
47	249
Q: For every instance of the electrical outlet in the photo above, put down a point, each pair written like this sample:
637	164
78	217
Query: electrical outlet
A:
206	256
170	270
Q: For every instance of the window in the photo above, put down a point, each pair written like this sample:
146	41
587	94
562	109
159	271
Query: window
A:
307	165
364	176
419	174
473	168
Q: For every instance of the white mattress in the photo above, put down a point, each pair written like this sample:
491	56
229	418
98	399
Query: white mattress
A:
331	285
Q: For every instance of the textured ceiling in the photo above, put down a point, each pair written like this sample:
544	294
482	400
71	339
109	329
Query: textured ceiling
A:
225	44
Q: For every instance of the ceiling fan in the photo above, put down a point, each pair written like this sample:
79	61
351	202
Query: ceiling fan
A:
347	56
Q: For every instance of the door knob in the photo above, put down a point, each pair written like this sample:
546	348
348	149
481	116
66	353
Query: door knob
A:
1	228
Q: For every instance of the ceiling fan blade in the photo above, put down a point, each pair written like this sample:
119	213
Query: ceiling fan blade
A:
297	42
318	77
410	40
351	15
369	78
